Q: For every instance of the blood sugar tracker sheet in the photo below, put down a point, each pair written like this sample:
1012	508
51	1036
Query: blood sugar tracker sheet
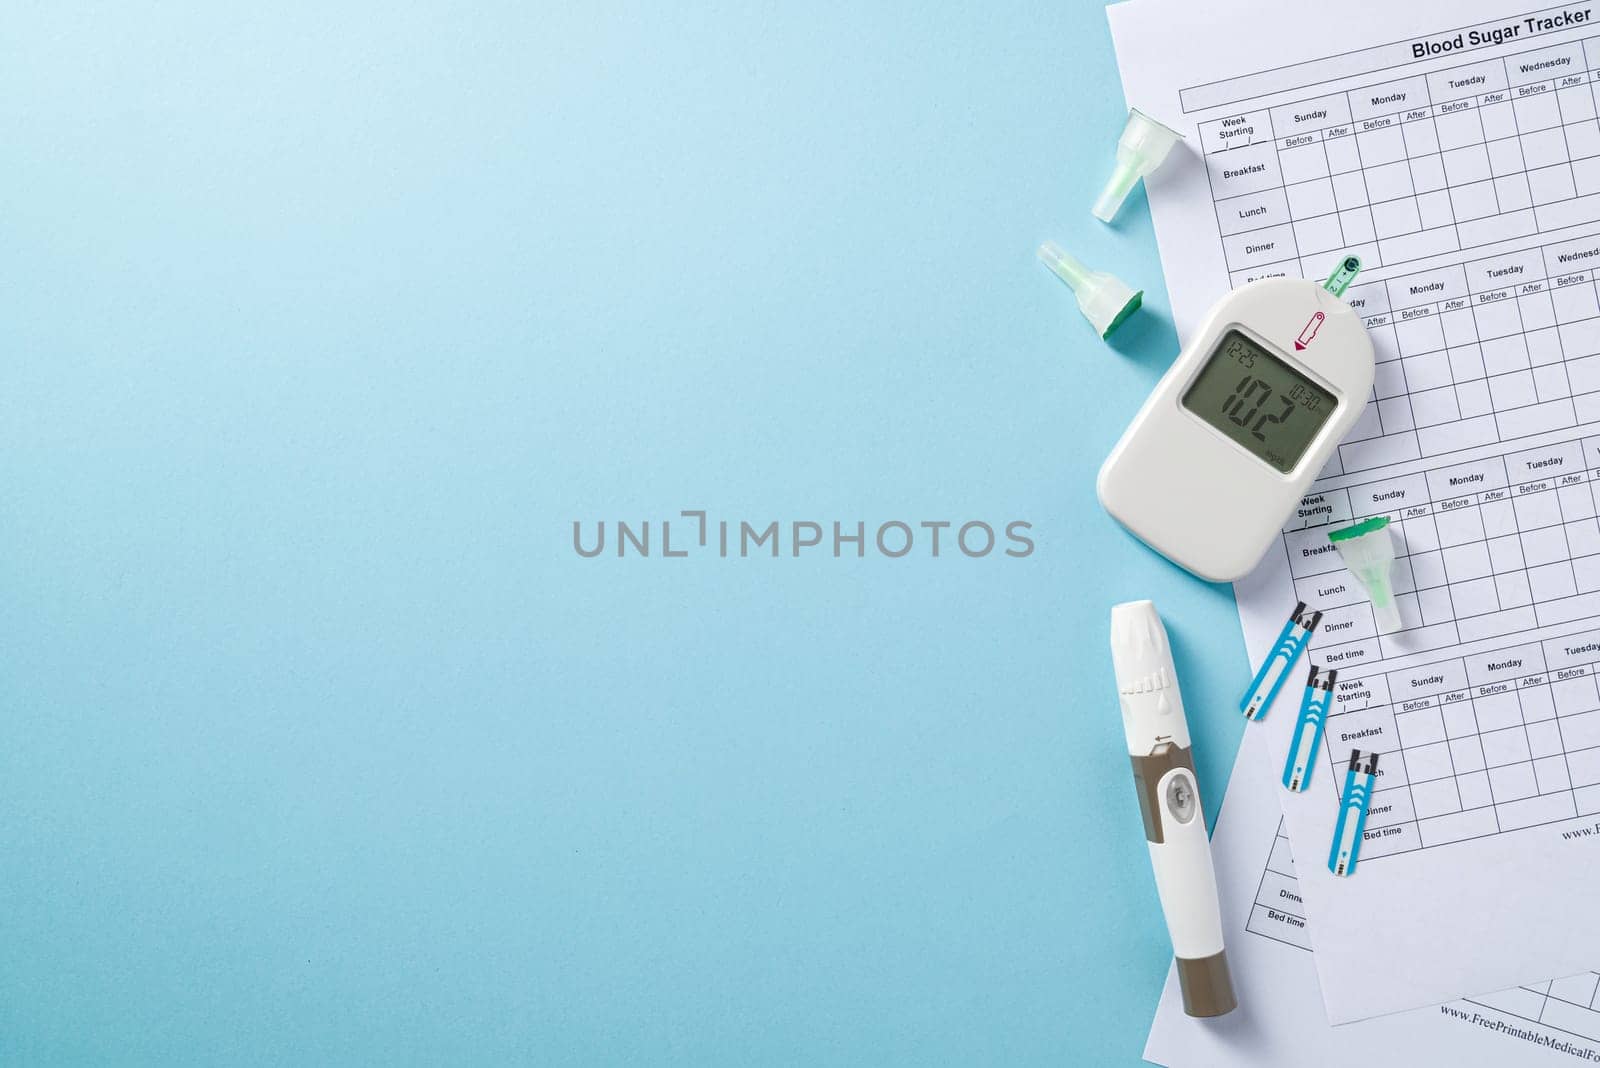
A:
1456	150
1280	1019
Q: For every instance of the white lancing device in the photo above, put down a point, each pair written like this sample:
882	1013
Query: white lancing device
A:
1221	453
1169	800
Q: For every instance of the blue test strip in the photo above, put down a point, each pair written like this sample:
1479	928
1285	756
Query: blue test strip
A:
1285	651
1308	729
1352	812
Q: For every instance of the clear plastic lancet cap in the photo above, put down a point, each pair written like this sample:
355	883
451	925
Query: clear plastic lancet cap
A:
1142	148
1367	549
1104	299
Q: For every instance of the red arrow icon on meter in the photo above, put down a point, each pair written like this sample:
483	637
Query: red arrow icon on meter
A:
1309	332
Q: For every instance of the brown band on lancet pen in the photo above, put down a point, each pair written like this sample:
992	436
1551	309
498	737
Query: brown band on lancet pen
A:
1206	984
1147	773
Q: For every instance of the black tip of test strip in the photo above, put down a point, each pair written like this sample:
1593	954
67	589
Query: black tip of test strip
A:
1357	756
1299	617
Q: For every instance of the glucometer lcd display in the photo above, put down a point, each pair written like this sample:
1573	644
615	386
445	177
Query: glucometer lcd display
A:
1259	401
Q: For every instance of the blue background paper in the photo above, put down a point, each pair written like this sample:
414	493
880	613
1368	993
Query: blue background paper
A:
322	745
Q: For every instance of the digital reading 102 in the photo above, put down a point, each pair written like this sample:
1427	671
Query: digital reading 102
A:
1259	402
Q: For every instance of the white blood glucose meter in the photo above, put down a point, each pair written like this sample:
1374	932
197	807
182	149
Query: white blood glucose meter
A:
1248	414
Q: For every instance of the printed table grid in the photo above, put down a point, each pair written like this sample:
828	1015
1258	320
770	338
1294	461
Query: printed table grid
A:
1497	347
1278	912
1481	352
1484	548
1570	1004
1448	161
1473	190
1473	745
1478	744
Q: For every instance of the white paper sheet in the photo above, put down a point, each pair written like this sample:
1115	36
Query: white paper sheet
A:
1280	1019
1469	183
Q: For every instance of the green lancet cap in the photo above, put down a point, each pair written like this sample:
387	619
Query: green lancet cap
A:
1367	550
1105	300
1366	526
